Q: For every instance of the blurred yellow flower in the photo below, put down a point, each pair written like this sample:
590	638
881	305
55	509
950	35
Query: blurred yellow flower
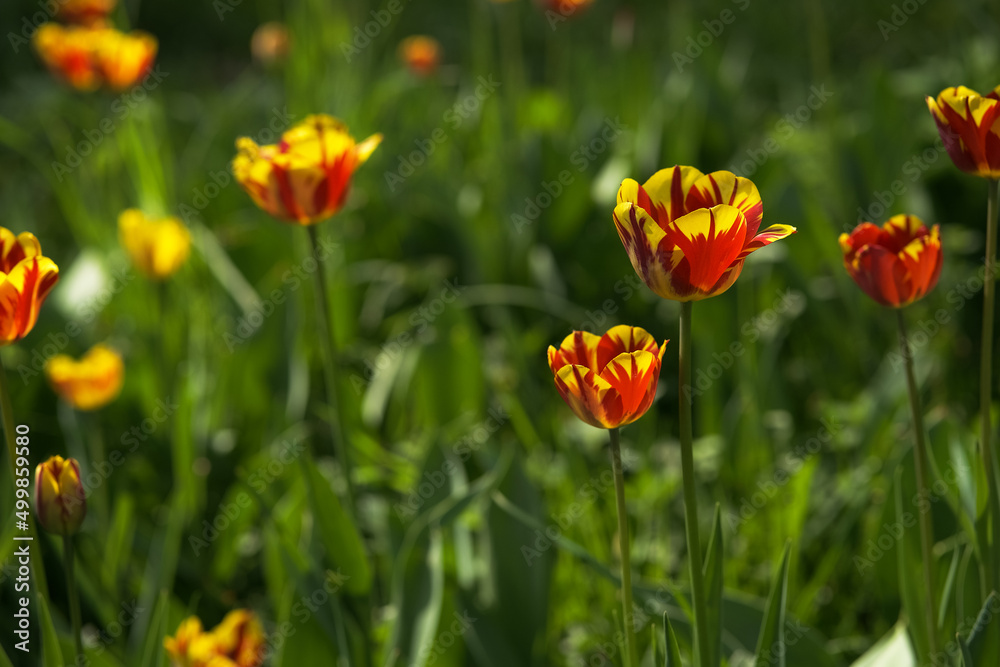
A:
157	247
88	57
60	501
421	54
270	42
90	383
26	278
304	178
238	641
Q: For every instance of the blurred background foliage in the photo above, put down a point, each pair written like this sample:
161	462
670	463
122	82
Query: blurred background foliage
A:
812	351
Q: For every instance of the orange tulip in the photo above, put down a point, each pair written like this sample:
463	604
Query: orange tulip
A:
610	380
60	501
969	127
895	264
84	12
238	641
26	278
421	54
303	179
90	383
688	234
68	54
125	58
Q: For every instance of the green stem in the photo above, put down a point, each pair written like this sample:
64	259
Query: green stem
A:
690	497
324	330
7	414
74	597
623	546
922	467
986	382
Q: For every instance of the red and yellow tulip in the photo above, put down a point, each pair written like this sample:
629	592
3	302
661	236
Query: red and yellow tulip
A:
88	57
305	177
158	247
26	278
894	264
84	12
610	380
90	383
421	54
238	641
688	233
60	501
967	122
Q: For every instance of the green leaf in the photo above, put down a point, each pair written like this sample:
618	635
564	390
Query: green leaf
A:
771	644
337	531
713	590
984	638
966	656
910	575
51	653
4	660
427	619
673	652
893	650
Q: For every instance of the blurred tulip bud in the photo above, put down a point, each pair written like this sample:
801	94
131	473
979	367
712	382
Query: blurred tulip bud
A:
60	501
90	383
157	247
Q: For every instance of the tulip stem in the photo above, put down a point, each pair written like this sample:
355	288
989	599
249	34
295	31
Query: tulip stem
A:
325	331
921	465
74	597
7	414
986	383
690	497
623	547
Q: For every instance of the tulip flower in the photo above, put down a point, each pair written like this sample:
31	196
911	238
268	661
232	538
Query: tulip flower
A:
60	501
608	381
84	12
269	43
157	247
421	54
304	178
68	52
26	278
238	641
967	123
90	383
895	264
125	58
688	234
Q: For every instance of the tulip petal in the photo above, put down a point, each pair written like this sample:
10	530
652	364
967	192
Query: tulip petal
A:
364	149
22	292
881	274
724	187
590	396
634	376
767	237
664	196
578	348
711	240
922	258
622	339
651	252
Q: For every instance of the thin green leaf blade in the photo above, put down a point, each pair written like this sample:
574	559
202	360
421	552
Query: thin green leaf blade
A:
770	645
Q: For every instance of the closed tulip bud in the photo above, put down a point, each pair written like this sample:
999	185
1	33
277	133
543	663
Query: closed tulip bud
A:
421	54
895	264
26	278
608	381
90	383
305	177
688	234
157	247
60	501
969	127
